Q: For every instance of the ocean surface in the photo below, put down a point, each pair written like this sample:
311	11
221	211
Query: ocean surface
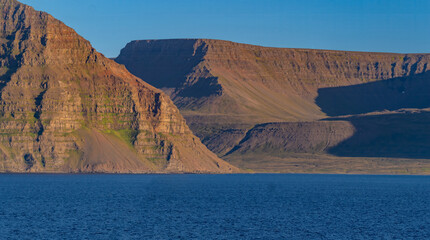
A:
259	206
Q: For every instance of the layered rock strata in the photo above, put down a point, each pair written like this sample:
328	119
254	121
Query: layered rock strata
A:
67	108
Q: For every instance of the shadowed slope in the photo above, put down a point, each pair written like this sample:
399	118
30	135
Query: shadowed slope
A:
391	143
392	94
400	135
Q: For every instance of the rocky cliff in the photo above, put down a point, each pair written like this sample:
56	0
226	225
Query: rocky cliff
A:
229	91
67	108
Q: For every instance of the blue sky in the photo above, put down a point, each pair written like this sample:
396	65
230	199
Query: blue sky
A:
356	25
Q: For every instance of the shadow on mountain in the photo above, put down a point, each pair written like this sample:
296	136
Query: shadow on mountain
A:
404	135
392	94
163	64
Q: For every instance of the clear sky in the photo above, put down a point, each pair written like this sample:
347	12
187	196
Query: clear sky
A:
356	25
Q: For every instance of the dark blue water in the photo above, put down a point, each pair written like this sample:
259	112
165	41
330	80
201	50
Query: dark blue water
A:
214	207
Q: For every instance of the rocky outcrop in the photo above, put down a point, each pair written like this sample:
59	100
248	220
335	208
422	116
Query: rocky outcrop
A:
67	108
294	137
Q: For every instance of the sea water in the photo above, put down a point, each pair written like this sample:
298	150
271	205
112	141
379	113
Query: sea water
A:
249	206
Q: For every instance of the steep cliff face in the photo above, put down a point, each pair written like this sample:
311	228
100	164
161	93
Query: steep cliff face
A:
67	108
228	92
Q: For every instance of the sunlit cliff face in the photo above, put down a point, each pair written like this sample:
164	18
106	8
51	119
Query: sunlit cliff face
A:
65	107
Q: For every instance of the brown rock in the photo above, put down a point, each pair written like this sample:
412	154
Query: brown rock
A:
67	108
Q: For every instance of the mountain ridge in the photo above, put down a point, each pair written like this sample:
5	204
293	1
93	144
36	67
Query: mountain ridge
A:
205	62
226	90
271	47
